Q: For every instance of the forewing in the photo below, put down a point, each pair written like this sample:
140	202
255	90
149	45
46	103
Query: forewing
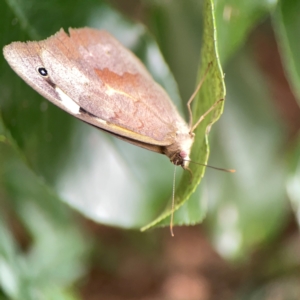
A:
111	86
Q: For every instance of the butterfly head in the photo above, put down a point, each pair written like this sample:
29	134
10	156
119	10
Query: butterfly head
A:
179	151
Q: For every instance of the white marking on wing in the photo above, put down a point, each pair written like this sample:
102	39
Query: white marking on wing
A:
67	102
101	121
110	91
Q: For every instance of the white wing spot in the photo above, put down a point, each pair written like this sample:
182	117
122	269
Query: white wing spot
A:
101	121
110	91
67	102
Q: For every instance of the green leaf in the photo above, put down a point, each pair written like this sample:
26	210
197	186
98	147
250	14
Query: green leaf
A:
57	249
213	89
286	24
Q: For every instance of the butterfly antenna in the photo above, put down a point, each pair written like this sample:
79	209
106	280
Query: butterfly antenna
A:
194	95
212	167
173	203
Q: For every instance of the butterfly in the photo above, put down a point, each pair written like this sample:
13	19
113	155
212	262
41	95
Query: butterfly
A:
92	76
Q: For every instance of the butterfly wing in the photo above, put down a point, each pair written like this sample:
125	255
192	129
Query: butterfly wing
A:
96	79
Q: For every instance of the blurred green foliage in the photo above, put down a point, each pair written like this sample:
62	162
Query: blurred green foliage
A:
51	162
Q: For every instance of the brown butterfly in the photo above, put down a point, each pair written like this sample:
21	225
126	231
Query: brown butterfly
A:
92	76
